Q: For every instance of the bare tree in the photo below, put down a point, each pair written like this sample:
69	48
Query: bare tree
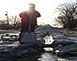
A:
67	13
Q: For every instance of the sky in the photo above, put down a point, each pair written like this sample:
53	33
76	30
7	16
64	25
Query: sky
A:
45	7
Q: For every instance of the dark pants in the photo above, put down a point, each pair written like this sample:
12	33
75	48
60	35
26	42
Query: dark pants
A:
21	33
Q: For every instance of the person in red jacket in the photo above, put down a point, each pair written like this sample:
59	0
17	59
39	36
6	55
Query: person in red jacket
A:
29	19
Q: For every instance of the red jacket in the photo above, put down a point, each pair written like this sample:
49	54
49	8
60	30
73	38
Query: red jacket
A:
28	19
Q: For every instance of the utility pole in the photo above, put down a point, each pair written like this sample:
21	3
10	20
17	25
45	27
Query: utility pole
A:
7	19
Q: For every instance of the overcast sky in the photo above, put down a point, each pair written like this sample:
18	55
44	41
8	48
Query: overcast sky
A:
45	7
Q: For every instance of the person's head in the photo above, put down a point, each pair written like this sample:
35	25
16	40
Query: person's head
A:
31	7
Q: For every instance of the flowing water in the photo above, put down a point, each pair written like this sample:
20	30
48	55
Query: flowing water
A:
45	56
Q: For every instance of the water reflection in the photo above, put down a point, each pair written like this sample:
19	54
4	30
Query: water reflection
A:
48	57
45	56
